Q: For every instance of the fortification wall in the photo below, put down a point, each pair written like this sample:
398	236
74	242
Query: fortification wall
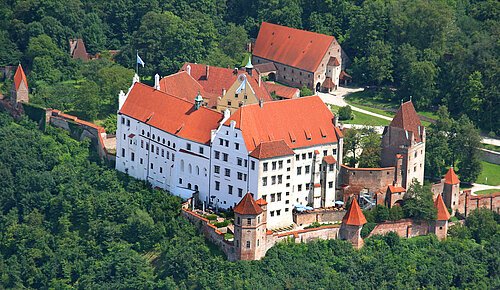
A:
309	235
319	215
373	179
404	228
489	201
210	232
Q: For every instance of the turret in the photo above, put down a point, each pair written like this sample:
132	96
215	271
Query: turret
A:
249	66
198	101
451	189
250	228
440	226
19	91
352	223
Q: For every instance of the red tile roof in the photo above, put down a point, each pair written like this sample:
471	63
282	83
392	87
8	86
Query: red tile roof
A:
270	149
301	122
282	91
170	114
78	50
297	48
220	78
20	77
354	215
247	205
450	177
394	189
265	67
328	83
442	212
343	75
261	202
329	159
333	61
184	86
406	118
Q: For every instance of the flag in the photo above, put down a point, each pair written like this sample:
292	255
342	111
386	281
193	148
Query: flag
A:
139	60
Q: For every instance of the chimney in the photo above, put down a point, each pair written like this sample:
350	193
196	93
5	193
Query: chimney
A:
260	80
207	71
157	82
261	102
336	120
223	92
121	99
188	69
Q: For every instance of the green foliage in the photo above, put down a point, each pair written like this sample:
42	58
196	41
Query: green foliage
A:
345	113
418	202
225	223
367	229
482	225
366	139
305	91
211	217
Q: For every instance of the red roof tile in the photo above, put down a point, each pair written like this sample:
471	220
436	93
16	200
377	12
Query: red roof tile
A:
20	77
282	91
270	149
329	159
442	212
265	67
406	118
317	185
328	83
78	50
354	215
394	189
333	61
170	114
247	205
220	78
343	75
450	177
184	86
297	48
261	202
301	122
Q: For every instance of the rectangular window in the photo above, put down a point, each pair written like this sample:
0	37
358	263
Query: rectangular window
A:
237	146
142	143
217	185
128	123
264	197
273	180
274	165
325	152
221	142
299	187
240	176
239	161
264	166
141	161
334	151
308	186
310	155
308	169
303	156
280	164
200	150
224	156
273	197
330	167
132	156
330	184
162	152
272	213
230	189
153	148
227	172
151	165
252	165
249	221
297	157
299	170
180	180
279	196
278	212
123	120
188	146
248	244
123	152
280	179
246	163
226	143
173	157
240	192
264	181
161	169
217	169
216	154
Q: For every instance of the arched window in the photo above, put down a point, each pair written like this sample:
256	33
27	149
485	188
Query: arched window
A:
189	185
197	170
182	165
196	187
168	143
190	168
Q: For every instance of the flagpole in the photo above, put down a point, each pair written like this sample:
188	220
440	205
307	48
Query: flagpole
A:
136	62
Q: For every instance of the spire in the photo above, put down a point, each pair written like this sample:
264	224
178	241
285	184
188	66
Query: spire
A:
354	216
247	206
249	66
450	177
442	211
20	77
198	100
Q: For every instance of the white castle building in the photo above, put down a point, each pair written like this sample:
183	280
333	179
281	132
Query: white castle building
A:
286	152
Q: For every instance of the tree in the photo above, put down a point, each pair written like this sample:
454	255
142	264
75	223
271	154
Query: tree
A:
465	145
375	66
352	141
481	224
345	113
370	144
234	41
418	203
9	54
305	91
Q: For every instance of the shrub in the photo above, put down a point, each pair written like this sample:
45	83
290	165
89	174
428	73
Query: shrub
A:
305	91
345	113
225	223
367	229
211	217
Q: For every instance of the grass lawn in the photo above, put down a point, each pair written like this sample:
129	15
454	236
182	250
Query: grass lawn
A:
363	119
490	171
488	191
491	147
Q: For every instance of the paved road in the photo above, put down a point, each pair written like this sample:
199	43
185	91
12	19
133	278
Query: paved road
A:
478	187
337	99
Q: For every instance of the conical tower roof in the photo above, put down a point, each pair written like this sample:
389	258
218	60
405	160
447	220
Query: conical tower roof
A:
20	77
354	216
247	206
451	177
249	64
442	211
407	118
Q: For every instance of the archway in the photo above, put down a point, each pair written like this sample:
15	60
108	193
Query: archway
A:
318	87
272	77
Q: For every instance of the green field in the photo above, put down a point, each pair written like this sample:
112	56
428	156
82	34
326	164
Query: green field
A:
491	147
490	174
488	191
362	119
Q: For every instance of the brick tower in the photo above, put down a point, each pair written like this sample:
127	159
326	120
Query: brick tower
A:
352	223
250	228
19	92
451	190
440	226
405	136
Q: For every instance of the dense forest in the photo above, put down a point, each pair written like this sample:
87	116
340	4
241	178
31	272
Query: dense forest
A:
442	52
68	222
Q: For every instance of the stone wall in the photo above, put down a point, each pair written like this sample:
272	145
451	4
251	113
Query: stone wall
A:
318	215
210	232
490	156
404	228
373	180
309	235
473	201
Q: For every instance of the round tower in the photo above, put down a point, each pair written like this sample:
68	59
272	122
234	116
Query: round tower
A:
250	228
